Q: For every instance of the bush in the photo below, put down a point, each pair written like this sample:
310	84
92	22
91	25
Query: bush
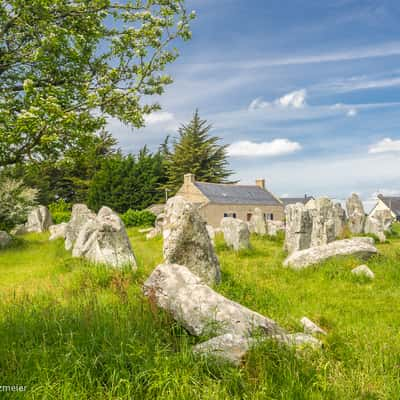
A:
60	206
138	218
61	216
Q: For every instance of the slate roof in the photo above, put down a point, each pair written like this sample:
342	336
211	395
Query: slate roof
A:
392	202
293	200
236	194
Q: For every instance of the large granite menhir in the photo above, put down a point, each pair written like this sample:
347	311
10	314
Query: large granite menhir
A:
187	242
104	240
298	227
236	233
80	215
356	214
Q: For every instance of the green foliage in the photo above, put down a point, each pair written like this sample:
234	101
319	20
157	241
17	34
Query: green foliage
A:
65	66
128	182
15	201
72	330
60	206
138	218
61	216
196	152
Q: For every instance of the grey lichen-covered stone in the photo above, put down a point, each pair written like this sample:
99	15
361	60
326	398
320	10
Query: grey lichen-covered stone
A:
386	218
300	340
310	327
363	270
258	223
80	215
5	239
58	231
376	227
356	214
19	230
200	309
236	233
273	227
39	220
228	347
104	240
323	221
298	227
358	246
187	242
340	219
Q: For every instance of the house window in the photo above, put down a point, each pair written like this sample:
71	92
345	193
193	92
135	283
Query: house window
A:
269	216
249	216
232	215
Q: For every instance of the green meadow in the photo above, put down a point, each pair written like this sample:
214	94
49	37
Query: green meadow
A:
72	330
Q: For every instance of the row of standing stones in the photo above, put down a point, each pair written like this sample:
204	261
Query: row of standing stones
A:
182	284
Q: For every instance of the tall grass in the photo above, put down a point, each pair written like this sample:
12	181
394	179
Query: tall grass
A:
71	330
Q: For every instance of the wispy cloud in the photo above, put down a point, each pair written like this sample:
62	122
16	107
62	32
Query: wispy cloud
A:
274	148
386	145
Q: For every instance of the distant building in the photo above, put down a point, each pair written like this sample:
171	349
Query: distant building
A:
386	203
293	200
218	200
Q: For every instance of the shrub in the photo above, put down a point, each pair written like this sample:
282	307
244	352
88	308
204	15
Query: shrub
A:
15	202
138	218
61	216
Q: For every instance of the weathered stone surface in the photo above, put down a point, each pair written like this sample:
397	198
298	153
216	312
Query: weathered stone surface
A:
363	270
39	220
386	219
376	227
302	339
104	240
236	233
340	219
228	347
158	227
298	227
273	227
199	308
310	327
58	231
79	216
211	232
5	239
359	246
154	232
356	214
186	240
258	223
323	221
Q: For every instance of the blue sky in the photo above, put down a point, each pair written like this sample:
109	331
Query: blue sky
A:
305	92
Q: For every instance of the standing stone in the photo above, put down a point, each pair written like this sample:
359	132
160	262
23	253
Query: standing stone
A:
58	231
310	327
375	227
323	222
5	239
258	223
236	233
356	214
39	220
80	215
298	227
340	219
386	219
273	227
104	240
211	232
187	242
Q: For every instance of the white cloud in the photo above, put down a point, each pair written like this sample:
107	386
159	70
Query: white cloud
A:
352	112
258	104
386	145
296	99
159	117
274	148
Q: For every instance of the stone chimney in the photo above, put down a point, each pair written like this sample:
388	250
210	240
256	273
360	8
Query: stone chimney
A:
260	183
189	178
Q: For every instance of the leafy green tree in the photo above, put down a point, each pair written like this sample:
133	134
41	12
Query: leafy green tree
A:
195	151
128	182
69	178
65	66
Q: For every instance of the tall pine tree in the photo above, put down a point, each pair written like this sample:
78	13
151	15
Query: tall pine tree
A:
195	151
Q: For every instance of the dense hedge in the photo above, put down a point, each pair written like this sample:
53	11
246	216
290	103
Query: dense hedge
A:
60	211
138	218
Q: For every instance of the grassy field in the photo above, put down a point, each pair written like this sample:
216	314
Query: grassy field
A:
70	330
